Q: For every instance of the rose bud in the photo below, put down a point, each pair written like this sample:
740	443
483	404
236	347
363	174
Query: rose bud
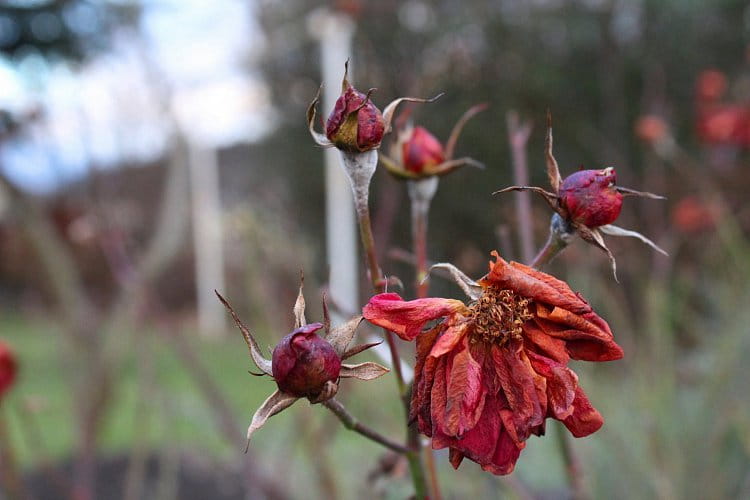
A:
590	197
585	203
355	124
421	150
8	369
303	362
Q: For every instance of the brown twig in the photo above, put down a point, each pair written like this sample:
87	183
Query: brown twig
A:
518	137
351	423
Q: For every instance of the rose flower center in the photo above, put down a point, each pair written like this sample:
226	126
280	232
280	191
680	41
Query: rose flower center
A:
498	316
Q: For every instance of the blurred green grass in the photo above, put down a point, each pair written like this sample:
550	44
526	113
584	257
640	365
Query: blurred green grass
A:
677	414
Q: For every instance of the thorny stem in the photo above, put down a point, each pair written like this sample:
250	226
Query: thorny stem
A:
560	236
360	168
351	423
421	193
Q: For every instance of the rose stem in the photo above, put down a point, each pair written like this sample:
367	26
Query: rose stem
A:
558	240
351	423
420	213
359	169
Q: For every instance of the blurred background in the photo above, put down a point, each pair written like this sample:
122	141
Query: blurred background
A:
153	151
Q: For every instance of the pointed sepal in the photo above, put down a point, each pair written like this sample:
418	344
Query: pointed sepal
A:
261	362
341	336
363	371
276	402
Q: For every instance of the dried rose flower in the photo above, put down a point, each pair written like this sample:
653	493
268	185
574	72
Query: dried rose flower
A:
422	155
8	369
355	125
491	372
305	365
587	202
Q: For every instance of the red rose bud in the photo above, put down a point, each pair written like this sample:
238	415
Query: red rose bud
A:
590	197
355	124
303	362
8	369
422	150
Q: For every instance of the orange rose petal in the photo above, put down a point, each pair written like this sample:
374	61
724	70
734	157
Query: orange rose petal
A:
406	319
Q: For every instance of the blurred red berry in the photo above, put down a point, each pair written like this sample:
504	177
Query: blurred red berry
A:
303	362
590	197
422	150
711	85
8	369
651	128
727	124
693	215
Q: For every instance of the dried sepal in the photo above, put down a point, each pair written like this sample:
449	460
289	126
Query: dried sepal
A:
551	198
450	145
329	390
594	237
451	165
363	371
276	402
391	108
359	348
613	230
299	304
641	194
553	171
471	288
341	336
261	362
326	314
320	139
395	169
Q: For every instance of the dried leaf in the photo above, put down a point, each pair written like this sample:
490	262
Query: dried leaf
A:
299	305
341	336
363	371
393	167
613	230
391	108
263	364
550	198
642	194
319	138
359	348
594	237
276	402
449	166
450	145
553	172
471	288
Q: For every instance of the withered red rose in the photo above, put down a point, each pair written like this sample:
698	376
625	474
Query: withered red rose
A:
490	373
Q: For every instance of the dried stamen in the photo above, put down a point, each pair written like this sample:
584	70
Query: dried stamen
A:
498	316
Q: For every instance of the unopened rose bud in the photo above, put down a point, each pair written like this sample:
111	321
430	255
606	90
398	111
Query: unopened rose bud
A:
590	197
7	369
355	124
421	150
303	362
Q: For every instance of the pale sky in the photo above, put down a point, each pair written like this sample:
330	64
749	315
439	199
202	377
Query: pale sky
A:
109	111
